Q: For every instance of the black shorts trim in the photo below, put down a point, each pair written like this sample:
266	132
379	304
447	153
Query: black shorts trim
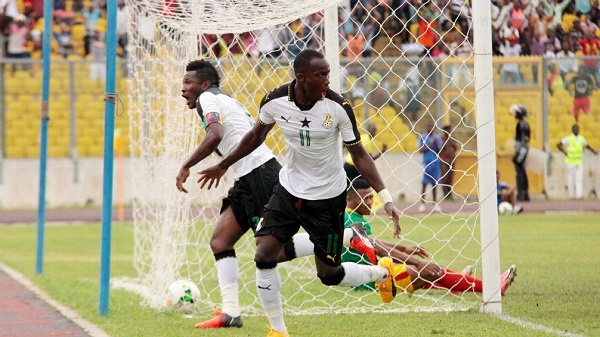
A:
251	192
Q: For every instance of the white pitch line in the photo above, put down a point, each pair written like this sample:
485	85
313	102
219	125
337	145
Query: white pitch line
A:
92	329
534	326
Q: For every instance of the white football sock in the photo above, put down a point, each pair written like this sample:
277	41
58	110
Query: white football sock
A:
347	236
227	273
357	274
302	245
268	284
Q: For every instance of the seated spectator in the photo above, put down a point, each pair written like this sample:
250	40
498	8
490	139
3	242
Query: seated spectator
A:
506	192
64	39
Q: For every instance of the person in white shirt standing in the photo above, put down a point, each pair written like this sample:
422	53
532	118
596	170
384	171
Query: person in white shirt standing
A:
312	185
573	146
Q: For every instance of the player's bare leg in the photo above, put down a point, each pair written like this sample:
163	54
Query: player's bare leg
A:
226	233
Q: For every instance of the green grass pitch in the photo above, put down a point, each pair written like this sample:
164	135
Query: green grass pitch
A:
556	290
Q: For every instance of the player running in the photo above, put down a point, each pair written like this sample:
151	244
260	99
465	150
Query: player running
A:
225	122
312	185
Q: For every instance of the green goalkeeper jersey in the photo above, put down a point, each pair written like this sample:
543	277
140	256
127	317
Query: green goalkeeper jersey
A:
351	255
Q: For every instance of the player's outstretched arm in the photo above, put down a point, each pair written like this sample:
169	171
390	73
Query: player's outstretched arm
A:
249	143
212	139
366	166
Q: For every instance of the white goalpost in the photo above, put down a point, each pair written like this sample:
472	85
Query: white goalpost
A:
391	82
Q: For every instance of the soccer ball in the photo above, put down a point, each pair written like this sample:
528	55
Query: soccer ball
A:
505	208
182	296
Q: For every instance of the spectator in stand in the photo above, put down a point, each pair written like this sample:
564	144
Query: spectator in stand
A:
355	46
556	11
17	40
532	45
517	17
507	30
98	52
92	17
511	70
590	46
555	81
267	42
587	25
549	51
439	52
461	13
293	38
576	32
408	87
428	18
123	15
552	40
447	157
500	14
573	146
64	39
568	19
566	61
249	44
583	6
582	87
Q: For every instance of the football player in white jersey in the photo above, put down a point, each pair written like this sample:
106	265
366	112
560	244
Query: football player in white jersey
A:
226	121
312	185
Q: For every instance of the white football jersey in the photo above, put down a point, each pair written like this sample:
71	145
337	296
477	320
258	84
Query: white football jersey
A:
314	166
236	121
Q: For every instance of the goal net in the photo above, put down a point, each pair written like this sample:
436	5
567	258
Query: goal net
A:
401	68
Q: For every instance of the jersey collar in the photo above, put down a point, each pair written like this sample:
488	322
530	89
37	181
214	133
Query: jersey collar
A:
292	98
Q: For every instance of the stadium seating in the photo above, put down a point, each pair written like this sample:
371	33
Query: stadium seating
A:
23	90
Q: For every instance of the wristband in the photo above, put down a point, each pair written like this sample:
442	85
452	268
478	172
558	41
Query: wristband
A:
385	196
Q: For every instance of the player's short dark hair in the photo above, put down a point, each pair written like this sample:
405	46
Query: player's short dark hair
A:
304	58
358	184
205	71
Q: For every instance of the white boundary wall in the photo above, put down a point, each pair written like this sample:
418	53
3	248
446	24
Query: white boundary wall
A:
19	186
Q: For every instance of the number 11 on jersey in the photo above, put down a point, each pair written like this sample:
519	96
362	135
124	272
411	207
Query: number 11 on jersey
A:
304	137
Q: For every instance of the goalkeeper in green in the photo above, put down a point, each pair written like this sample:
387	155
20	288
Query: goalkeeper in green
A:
410	272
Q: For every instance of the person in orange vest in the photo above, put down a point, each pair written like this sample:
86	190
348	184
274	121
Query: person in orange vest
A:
573	146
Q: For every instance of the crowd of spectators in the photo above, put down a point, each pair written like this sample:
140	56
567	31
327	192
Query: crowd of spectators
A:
76	28
435	28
